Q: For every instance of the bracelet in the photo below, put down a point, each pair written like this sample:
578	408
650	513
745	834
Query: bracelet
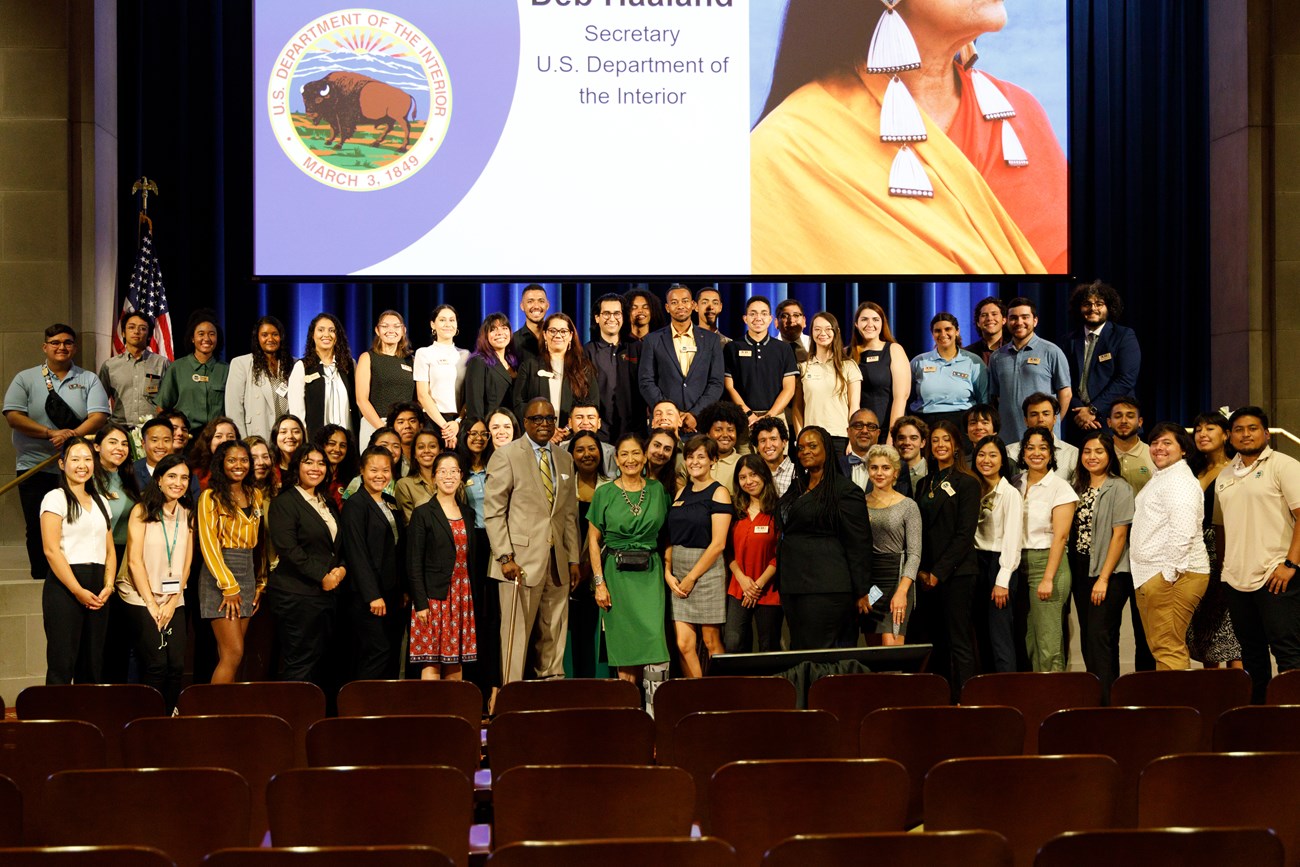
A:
597	580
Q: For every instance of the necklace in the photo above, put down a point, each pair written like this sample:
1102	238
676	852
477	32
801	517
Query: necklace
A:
635	508
939	478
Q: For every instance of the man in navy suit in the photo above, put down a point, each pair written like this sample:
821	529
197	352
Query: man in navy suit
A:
1104	358
681	363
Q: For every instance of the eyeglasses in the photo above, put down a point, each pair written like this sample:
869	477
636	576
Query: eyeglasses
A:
540	419
607	314
61	343
558	332
481	434
448	472
862	425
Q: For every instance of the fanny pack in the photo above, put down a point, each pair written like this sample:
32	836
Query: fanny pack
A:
632	561
56	408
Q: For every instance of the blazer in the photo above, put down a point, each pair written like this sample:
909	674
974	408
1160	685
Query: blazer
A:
518	518
661	376
948	523
1116	359
815	558
431	552
1113	507
531	384
251	405
373	557
302	541
487	388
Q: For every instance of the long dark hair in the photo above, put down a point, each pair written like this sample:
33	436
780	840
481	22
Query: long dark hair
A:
667	474
1198	460
1046	434
483	349
767	500
460	489
586	434
200	451
342	350
283	355
404	349
350	467
301	455
274	445
1004	471
125	471
578	370
658	319
958	456
858	343
462	444
824	496
268	486
153	499
74	505
218	482
1082	479
414	468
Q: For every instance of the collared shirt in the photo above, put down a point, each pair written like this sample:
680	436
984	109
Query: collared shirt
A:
1135	465
947	385
981	348
1040	499
221	529
684	346
1067	459
198	389
782	476
538	451
1001	528
858	470
758	368
132	384
80	389
1167	538
1038	366
1253	505
824	403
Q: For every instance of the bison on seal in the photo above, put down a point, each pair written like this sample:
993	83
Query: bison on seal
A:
346	99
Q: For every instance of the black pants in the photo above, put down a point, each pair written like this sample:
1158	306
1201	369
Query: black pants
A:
161	654
74	634
1266	621
30	494
306	625
995	630
1099	625
120	640
377	640
738	633
821	620
954	642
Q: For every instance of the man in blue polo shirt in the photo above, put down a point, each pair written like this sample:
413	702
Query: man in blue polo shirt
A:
37	436
1027	365
760	372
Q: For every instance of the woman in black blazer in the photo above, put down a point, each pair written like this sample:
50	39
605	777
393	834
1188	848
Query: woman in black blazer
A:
491	369
562	358
372	531
302	590
440	549
823	563
949	498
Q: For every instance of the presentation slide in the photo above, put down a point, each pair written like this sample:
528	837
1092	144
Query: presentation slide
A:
674	138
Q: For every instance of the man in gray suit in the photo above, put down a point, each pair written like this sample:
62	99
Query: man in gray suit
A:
530	509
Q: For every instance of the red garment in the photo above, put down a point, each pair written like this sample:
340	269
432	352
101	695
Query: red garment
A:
754	552
448	636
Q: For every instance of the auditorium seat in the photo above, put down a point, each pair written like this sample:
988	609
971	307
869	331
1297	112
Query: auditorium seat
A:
1164	847
919	738
11	814
392	697
106	706
394	740
850	697
85	856
704	742
31	751
578	802
372	806
571	736
567	692
1026	799
755	805
1210	690
1225	790
1034	694
331	856
638	852
1132	736
185	812
1258	728
928	849
676	698
1285	688
255	747
298	703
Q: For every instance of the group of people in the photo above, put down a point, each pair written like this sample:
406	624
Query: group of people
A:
662	492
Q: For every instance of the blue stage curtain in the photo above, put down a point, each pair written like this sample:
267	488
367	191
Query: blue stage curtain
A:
1139	199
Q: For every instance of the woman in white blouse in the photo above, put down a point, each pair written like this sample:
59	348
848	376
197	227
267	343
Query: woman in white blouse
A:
1049	509
321	384
831	384
440	374
997	549
1167	554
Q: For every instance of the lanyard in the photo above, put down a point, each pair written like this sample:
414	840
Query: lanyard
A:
170	545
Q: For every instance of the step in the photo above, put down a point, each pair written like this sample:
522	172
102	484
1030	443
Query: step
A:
22	632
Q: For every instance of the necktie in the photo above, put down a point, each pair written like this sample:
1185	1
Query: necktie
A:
1089	344
544	464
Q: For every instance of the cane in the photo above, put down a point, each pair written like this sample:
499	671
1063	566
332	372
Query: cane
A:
514	615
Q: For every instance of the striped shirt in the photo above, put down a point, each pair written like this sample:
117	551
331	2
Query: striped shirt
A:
220	529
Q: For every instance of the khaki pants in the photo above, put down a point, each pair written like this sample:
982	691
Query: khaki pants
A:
1166	609
543	613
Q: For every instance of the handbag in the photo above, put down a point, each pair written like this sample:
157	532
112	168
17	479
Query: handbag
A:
632	561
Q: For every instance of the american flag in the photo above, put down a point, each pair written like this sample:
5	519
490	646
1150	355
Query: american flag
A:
147	294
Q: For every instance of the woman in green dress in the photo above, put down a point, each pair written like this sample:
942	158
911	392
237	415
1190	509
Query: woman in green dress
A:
625	518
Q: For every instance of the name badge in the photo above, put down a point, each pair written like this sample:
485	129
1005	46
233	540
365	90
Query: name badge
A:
546	373
947	488
171	585
72	385
406	367
688	349
311	377
761	529
960	375
444	361
746	353
872	358
197	378
874	594
1102	358
929	368
282	389
1032	360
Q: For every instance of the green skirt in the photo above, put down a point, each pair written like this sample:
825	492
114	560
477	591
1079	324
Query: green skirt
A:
634	623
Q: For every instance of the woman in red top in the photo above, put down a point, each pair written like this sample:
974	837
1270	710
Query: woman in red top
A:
751	595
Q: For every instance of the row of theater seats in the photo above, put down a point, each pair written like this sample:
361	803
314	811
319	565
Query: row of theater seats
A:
700	743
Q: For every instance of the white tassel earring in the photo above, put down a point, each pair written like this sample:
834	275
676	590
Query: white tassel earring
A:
994	105
907	176
1012	150
900	119
893	50
892	47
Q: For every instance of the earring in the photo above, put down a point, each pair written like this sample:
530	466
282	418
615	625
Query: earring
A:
893	50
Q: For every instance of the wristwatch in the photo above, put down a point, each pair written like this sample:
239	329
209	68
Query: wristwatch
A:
505	558
597	580
1288	564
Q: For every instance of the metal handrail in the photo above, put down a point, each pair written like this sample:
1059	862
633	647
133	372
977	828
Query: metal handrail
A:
1283	432
8	486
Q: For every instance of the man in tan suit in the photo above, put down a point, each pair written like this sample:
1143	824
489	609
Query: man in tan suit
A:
530	508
